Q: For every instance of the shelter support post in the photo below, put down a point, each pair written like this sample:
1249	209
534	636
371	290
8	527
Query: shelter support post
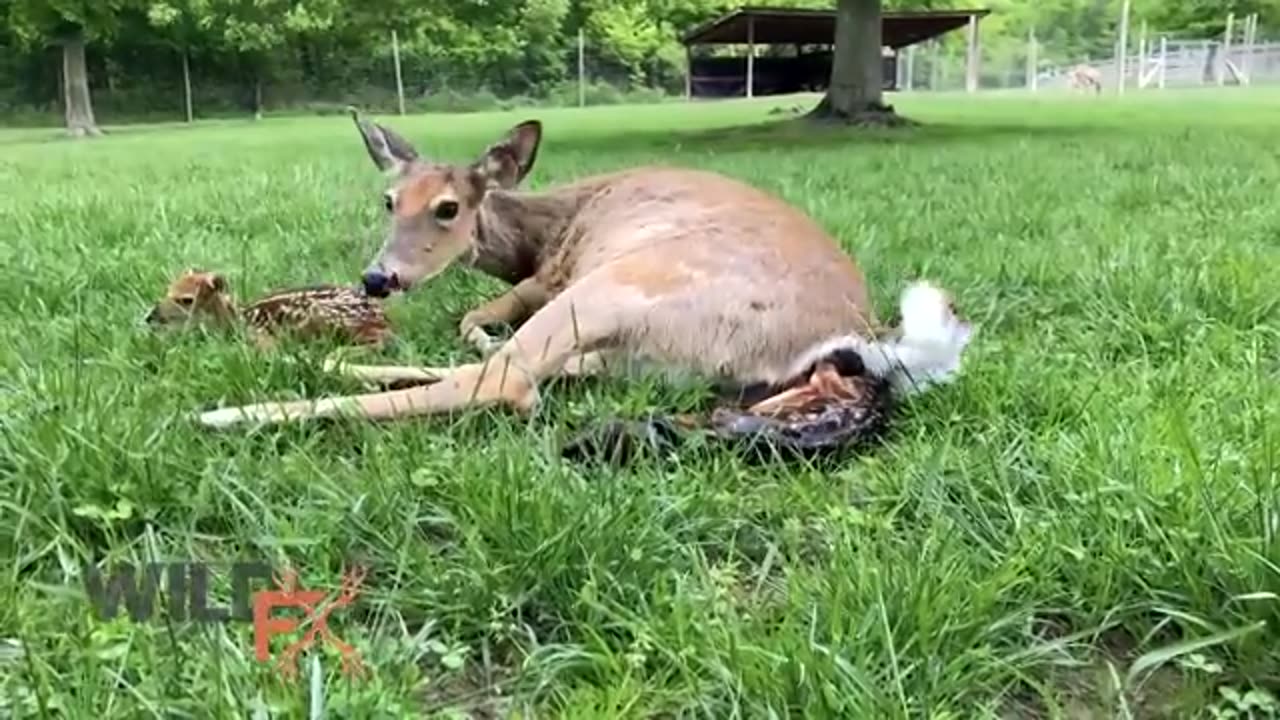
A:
688	73
751	55
971	57
911	67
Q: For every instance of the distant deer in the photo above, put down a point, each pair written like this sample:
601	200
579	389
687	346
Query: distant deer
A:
1085	76
686	269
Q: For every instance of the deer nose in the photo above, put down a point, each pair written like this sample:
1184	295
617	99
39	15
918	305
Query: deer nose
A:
378	283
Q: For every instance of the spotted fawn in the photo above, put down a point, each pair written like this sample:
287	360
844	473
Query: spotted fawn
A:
199	296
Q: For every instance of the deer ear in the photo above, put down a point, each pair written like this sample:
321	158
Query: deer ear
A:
390	152
508	161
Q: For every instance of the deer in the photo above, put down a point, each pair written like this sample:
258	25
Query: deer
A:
1086	76
683	269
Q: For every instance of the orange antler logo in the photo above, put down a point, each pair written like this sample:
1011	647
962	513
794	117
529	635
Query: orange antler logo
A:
288	595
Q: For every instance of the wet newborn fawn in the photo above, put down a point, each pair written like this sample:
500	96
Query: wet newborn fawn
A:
307	312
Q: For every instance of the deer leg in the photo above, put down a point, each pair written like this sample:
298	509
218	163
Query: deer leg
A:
375	337
578	365
587	364
386	374
516	304
262	339
509	377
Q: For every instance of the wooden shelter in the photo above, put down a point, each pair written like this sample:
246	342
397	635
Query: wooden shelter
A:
812	33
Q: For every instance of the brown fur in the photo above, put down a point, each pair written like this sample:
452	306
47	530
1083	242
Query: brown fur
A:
688	269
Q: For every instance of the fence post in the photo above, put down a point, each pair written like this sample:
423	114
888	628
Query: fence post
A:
1164	59
1142	55
1123	50
1226	50
395	56
186	84
582	70
1250	36
1033	77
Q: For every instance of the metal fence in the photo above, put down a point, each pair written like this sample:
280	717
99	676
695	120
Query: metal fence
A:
1151	59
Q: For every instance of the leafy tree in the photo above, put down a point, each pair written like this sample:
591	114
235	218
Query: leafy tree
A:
70	24
256	29
855	92
336	46
187	25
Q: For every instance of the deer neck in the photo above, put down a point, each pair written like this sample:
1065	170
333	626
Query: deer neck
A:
225	311
517	231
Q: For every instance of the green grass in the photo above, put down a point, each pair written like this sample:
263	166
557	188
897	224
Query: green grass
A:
1084	525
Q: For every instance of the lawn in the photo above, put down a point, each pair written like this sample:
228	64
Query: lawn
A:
1086	524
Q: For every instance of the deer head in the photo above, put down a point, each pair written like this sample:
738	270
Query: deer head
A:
433	207
194	295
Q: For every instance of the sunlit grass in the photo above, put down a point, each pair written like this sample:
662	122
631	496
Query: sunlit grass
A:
1100	485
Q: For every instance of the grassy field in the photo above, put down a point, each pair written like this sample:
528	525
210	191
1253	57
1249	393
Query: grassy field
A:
1085	525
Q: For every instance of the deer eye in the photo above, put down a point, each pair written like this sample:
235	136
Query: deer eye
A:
186	301
389	201
446	210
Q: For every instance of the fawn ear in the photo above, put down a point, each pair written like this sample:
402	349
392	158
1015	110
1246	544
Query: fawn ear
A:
215	282
390	152
507	162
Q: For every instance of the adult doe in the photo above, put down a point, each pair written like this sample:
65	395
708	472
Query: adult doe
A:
686	269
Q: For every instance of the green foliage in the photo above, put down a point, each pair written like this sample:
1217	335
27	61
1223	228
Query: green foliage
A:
337	50
38	22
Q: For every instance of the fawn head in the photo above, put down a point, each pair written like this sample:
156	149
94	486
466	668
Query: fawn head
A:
433	207
194	295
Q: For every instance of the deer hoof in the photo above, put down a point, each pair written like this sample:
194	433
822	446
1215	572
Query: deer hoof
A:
222	418
482	340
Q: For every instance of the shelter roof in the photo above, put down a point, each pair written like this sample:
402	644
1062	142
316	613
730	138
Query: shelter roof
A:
807	26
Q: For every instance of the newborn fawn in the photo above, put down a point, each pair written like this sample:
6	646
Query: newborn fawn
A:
307	312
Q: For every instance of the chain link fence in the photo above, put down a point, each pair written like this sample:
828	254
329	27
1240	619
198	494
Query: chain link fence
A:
1151	60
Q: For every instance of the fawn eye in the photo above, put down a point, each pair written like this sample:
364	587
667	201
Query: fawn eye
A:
389	201
186	301
446	210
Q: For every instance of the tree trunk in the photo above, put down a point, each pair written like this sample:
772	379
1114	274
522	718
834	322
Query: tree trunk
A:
186	83
854	94
75	84
257	97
